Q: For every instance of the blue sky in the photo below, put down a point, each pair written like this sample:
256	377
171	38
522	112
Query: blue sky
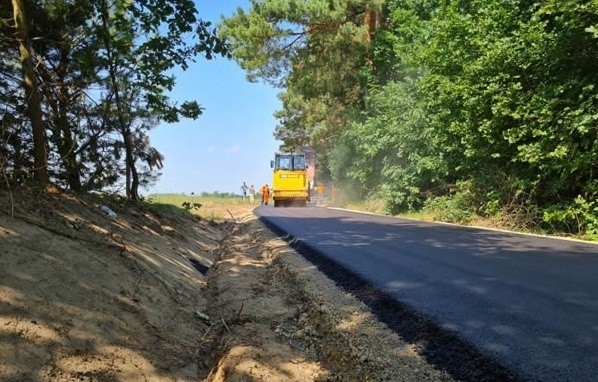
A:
232	141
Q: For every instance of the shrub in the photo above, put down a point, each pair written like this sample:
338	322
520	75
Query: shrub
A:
401	199
191	206
448	209
579	217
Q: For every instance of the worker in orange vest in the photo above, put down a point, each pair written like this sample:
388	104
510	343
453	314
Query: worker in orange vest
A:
265	194
320	189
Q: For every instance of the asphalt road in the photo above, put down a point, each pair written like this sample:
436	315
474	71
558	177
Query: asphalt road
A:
529	302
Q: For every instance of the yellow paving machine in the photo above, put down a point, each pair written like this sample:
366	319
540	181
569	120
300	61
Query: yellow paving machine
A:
290	182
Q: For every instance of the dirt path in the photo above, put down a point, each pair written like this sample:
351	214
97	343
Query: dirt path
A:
251	315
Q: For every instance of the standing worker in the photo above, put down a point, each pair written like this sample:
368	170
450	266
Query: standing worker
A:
251	194
320	189
244	189
265	194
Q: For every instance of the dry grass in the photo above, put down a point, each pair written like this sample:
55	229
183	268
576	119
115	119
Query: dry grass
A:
213	208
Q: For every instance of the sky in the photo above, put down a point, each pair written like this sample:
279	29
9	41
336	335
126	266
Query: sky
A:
233	140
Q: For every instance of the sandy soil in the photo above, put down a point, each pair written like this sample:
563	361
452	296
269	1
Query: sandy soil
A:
159	297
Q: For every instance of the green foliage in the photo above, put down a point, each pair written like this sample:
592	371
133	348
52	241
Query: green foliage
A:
393	136
342	172
511	104
579	217
490	98
450	209
401	197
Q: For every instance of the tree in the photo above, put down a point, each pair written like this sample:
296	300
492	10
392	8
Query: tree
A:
31	93
137	67
317	50
102	70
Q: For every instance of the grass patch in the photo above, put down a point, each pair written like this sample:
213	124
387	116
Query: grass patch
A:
206	207
375	206
417	215
168	210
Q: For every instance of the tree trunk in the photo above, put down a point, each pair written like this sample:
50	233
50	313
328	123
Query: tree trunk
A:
371	21
129	165
124	122
134	182
40	153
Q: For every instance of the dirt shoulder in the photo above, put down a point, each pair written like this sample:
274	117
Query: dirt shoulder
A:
160	297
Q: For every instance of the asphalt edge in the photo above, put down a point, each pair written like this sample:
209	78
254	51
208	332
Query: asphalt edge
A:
482	228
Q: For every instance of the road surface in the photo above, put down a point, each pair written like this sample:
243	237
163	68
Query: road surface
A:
529	302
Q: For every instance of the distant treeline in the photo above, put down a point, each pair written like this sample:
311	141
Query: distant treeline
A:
463	108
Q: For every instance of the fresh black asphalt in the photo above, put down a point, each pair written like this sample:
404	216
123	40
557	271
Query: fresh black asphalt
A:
526	302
